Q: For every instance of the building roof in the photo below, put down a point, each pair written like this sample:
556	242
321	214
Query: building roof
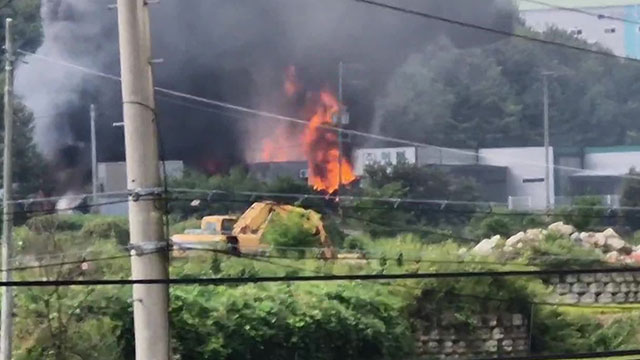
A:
525	5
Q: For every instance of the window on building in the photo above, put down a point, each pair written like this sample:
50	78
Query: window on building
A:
401	157
610	30
575	31
386	157
369	158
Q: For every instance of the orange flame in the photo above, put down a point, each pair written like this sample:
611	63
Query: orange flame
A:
282	146
327	169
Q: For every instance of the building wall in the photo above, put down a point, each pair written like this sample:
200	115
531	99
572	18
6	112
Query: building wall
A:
525	175
430	155
624	41
112	177
268	171
614	160
363	157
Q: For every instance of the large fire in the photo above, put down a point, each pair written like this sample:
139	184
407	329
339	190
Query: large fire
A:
327	168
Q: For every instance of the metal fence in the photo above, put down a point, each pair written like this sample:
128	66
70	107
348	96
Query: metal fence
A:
525	202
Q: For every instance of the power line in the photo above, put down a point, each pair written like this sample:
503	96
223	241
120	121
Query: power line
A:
419	288
369	256
493	30
221	281
568	356
326	127
582	11
395	201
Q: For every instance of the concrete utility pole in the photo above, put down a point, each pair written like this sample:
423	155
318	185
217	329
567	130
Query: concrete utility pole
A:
150	302
545	94
6	314
94	154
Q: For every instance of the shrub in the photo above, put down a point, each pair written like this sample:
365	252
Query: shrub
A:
503	224
304	321
559	252
108	228
291	230
586	213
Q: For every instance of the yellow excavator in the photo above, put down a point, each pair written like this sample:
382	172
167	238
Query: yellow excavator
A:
243	234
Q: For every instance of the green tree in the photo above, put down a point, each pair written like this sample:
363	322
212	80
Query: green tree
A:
407	181
29	167
492	95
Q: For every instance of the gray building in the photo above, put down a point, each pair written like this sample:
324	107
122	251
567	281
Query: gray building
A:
112	177
623	38
268	171
464	163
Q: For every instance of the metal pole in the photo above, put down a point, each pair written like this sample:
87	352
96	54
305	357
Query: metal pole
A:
94	156
546	140
6	315
340	72
150	302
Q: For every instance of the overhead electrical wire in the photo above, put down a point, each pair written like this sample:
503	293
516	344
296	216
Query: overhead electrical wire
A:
392	200
582	11
304	122
419	288
505	33
222	281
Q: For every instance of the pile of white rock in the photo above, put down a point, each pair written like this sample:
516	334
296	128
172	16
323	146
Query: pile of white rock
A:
612	246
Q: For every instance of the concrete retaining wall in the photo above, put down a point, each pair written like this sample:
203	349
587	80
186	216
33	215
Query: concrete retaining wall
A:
485	336
617	288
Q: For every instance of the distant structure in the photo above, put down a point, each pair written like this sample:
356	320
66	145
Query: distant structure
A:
269	171
500	173
112	177
515	175
622	37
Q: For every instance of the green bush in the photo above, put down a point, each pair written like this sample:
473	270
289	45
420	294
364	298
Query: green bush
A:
303	321
357	242
292	230
116	228
585	214
559	252
503	224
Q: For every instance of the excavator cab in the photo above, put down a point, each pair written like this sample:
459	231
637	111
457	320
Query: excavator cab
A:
214	230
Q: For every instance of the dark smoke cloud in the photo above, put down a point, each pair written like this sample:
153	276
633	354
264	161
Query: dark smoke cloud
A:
234	51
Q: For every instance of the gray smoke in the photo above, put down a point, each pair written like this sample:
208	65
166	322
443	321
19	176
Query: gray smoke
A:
235	51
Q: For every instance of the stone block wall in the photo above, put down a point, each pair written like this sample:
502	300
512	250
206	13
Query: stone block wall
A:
488	336
600	288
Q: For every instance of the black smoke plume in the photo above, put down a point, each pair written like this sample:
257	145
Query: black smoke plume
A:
228	50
